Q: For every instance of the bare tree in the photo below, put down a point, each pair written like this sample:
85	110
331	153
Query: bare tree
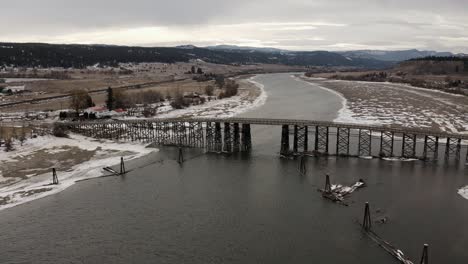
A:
121	99
9	145
22	134
209	90
179	101
80	100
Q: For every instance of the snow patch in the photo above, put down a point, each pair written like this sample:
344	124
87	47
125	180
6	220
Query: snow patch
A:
16	192
463	192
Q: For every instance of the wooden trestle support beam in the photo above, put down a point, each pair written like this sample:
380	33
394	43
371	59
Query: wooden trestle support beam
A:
321	139
218	140
246	138
431	148
285	141
408	147
236	138
227	138
342	143
301	140
224	136
453	148
196	139
365	143
387	140
210	132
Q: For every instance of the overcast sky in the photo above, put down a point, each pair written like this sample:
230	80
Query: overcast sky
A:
290	24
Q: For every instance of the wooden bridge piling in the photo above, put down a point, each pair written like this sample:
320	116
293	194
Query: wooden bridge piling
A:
236	138
408	147
295	140
328	188
452	148
180	158
55	180
367	222
196	134
246	138
387	140
209	137
233	135
342	141
301	138
365	143
431	148
122	166
227	138
322	139
303	165
285	140
425	255
218	138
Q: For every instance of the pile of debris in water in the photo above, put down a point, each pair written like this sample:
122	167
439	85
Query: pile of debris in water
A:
338	192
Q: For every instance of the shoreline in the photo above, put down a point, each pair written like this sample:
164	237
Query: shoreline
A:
399	106
251	95
15	191
344	114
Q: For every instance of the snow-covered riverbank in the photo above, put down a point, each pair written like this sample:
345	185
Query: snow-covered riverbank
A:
76	158
25	174
397	105
250	96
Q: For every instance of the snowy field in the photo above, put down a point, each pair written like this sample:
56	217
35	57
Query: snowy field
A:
223	108
398	105
77	158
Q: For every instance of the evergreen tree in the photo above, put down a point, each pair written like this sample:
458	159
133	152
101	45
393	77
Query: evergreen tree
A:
110	99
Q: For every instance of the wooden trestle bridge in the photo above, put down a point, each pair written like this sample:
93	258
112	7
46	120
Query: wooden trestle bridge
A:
231	135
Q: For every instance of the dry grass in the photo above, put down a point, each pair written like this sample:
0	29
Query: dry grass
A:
146	73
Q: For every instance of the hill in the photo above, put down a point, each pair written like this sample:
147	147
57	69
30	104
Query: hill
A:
395	56
434	65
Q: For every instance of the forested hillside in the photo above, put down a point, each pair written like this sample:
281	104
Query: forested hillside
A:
79	56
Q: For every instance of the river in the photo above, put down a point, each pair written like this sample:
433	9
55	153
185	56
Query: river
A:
253	208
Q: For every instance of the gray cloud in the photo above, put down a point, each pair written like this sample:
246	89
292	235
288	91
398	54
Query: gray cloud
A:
296	24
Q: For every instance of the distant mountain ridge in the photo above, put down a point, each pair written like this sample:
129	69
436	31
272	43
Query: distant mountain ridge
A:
244	48
80	56
394	55
381	55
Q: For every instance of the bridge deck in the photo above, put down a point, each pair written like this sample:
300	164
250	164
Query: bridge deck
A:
279	122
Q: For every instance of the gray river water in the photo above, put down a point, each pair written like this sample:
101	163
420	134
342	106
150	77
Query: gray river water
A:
253	208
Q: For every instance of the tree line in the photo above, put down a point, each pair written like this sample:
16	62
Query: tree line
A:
81	56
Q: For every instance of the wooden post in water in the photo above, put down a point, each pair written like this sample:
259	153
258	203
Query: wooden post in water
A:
295	149
55	180
302	165
246	138
366	223
328	188
122	166
284	140
425	255
180	160
236	139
